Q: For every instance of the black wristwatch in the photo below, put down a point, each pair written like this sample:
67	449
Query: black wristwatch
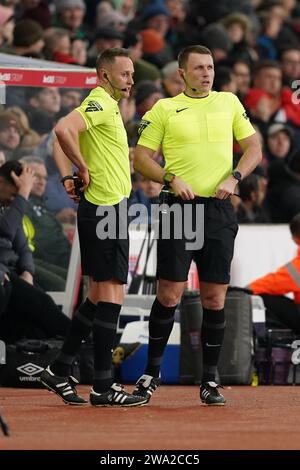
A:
168	178
237	175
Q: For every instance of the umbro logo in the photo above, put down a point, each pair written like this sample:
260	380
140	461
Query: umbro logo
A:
181	109
30	369
93	106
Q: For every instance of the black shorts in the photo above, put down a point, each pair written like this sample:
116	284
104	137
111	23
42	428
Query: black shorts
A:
213	260
102	259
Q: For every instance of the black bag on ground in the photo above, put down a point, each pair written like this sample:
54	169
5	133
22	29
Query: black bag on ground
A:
191	315
236	357
25	361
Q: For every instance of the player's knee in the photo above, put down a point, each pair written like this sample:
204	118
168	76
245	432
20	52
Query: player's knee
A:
212	302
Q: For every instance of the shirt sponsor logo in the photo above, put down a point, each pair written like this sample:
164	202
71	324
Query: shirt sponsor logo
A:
245	115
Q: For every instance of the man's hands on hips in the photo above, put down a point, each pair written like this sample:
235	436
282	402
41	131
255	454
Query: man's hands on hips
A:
182	189
69	185
226	188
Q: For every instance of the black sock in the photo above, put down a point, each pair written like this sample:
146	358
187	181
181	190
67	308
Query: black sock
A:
80	328
160	326
212	335
104	333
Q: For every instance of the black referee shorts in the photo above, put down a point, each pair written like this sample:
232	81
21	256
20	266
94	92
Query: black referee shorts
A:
102	259
213	260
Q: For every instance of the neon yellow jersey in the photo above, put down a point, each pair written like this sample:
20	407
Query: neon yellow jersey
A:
104	148
29	231
197	136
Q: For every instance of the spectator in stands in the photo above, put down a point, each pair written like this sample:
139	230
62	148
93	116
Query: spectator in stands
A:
79	51
2	158
143	70
147	193
224	80
7	25
238	27
146	95
172	82
70	15
155	48
252	192
242	77
43	106
25	311
290	64
280	310
105	38
10	135
156	16
279	144
70	99
268	77
27	39
30	138
266	42
37	10
51	244
215	37
58	45
260	107
284	188
112	19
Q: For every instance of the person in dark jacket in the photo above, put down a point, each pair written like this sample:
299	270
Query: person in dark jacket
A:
284	188
25	311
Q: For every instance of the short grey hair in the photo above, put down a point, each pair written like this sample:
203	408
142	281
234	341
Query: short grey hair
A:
32	159
169	69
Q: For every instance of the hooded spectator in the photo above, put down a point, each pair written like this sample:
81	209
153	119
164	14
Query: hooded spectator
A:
215	37
28	38
156	16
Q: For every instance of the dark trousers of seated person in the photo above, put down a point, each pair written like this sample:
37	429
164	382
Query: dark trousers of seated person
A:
282	312
28	312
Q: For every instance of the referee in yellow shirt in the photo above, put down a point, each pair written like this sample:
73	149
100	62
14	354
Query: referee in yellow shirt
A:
95	141
195	130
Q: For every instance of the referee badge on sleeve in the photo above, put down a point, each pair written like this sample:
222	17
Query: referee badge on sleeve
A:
143	126
93	106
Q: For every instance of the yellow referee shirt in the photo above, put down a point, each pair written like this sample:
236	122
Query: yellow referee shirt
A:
197	136
104	148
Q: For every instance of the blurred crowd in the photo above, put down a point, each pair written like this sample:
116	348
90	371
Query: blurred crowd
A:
256	49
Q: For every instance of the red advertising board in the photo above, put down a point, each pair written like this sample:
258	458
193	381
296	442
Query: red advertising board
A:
48	77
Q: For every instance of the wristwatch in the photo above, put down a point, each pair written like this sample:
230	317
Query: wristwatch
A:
168	178
237	175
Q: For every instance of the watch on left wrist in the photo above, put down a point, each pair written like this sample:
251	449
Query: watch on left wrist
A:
237	175
168	178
